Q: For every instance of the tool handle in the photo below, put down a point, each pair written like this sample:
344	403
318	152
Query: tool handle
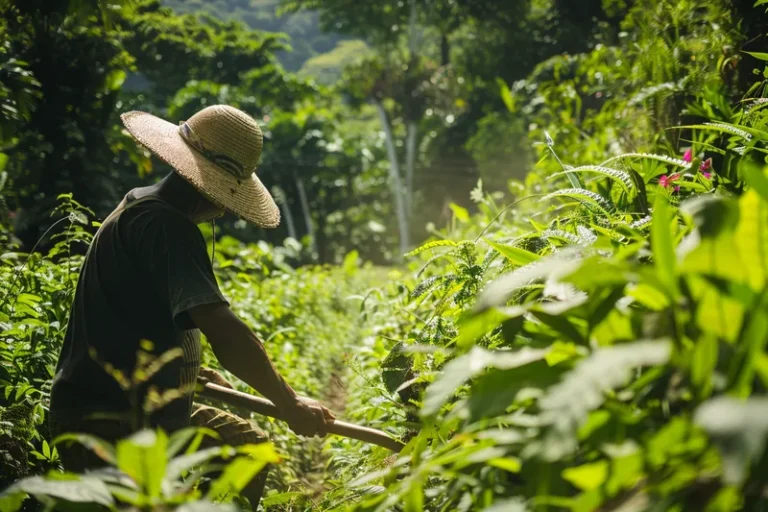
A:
267	408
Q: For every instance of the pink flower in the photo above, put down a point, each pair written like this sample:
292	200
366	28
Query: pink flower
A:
707	175
688	155
706	165
666	181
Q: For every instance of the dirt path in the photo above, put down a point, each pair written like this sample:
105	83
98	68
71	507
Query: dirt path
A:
314	480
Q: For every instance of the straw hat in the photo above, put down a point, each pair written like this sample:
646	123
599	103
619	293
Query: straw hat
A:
217	151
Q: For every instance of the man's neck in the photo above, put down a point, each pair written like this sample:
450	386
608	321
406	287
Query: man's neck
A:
174	192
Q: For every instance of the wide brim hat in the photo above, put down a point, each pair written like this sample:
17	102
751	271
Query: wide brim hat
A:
217	151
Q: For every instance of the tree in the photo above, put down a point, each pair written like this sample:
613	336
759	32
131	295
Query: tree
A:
73	67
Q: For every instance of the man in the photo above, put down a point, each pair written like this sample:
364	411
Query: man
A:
147	277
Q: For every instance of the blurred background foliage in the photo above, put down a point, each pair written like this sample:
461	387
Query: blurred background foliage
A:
378	115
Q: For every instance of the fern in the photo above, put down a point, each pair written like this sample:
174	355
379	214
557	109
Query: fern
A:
641	223
499	291
586	197
563	235
429	263
567	404
431	245
424	286
622	177
740	132
649	156
586	235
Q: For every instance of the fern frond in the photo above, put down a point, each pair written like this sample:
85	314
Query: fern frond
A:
567	404
649	156
562	235
586	235
622	177
431	245
424	286
641	223
586	197
501	289
429	263
738	131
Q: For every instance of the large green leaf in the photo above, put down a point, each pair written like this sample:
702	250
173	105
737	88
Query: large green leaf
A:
555	266
739	428
143	457
83	489
587	477
663	244
751	238
567	405
242	469
515	255
469	365
496	390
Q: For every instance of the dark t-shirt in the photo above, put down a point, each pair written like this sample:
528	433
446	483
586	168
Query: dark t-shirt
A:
146	267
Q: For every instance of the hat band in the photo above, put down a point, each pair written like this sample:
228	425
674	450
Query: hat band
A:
226	162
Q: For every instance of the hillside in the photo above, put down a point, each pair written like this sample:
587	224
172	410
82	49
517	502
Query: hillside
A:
303	28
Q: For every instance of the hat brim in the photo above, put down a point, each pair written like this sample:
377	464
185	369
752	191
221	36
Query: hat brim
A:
246	198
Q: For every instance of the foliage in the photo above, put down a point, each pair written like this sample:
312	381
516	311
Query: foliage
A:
592	355
146	471
307	40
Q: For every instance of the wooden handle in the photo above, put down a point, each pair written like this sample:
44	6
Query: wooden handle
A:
267	408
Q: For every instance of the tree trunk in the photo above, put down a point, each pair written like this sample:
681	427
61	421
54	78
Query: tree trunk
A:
394	176
410	159
445	50
305	211
285	207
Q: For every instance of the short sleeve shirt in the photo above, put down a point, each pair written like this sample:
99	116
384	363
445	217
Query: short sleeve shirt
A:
145	269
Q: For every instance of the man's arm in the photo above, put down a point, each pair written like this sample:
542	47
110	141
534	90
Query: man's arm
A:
239	351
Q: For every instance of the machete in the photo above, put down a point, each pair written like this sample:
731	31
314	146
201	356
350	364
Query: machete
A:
267	408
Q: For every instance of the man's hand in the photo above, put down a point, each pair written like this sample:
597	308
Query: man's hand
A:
308	417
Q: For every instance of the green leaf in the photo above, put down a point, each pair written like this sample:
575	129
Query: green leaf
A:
465	367
83	489
183	463
703	363
431	245
590	199
281	498
751	238
751	345
514	254
758	55
461	213
493	392
511	464
568	404
506	95
350	262
99	447
621	177
558	265
241	470
756	178
143	457
739	429
114	80
587	477
662	242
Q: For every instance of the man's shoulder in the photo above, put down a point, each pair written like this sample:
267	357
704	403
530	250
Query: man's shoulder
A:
152	209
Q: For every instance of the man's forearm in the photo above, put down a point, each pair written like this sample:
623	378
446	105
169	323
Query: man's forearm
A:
243	354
